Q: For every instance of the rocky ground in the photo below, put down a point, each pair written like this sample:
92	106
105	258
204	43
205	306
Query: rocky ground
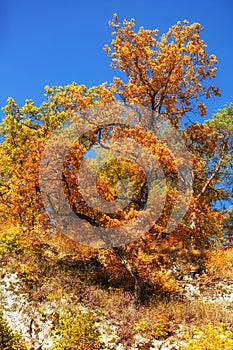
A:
36	320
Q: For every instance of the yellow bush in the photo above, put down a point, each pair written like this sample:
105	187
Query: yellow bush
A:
14	239
9	239
156	325
140	327
77	331
209	337
161	327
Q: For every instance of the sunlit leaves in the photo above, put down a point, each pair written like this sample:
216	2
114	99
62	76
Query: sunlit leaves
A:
167	73
170	74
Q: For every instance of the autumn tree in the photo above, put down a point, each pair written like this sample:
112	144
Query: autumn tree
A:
165	79
167	75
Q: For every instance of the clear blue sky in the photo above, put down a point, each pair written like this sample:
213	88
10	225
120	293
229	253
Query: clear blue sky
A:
56	42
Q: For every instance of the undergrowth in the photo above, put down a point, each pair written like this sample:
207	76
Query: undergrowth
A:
10	339
52	274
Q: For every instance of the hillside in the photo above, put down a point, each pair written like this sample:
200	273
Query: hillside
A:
65	300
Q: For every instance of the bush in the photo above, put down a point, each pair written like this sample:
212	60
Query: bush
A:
9	240
209	337
9	339
161	329
77	331
156	325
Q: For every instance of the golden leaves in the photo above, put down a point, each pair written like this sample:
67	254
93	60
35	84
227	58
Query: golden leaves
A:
159	70
202	109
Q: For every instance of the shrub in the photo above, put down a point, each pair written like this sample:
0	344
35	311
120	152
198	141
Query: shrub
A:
156	325
77	331
161	328
160	331
141	326
9	240
209	337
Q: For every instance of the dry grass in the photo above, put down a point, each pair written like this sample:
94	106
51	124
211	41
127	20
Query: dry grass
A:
220	264
70	273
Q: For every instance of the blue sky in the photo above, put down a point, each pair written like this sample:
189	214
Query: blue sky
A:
56	42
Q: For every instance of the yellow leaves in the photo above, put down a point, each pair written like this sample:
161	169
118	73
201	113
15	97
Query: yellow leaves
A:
161	327
29	107
144	258
141	326
76	330
48	89
75	97
209	336
165	282
220	263
29	272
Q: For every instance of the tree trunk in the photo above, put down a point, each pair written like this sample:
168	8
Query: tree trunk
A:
138	285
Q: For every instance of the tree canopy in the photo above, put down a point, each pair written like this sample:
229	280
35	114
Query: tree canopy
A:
165	79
